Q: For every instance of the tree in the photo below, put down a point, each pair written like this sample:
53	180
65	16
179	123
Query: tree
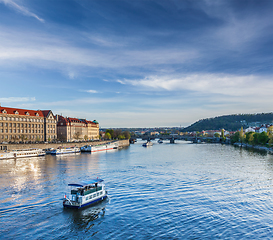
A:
235	137
127	135
107	135
270	135
217	135
111	132
249	137
263	138
241	135
121	137
77	135
222	133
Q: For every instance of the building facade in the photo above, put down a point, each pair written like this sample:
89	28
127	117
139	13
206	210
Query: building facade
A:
74	129
20	125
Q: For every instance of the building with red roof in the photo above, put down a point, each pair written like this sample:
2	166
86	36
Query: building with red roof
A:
27	125
74	129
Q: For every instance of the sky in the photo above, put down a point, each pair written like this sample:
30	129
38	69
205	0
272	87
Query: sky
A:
142	63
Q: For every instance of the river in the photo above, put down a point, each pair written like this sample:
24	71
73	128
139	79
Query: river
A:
167	191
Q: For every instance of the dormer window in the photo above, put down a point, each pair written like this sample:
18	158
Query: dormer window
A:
37	114
4	111
27	113
16	112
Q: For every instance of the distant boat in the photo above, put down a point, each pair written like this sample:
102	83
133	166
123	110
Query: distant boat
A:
85	193
65	150
147	144
160	141
33	152
99	148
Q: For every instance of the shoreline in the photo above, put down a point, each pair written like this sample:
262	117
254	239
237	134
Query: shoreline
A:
10	147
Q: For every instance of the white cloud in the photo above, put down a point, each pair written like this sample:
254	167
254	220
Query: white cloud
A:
21	9
17	99
230	85
91	91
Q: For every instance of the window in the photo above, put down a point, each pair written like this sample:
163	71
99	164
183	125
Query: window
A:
26	131
14	130
2	130
1	124
25	125
22	125
6	124
10	131
29	131
22	131
14	124
10	125
39	131
4	118
29	125
36	131
32	131
18	124
36	125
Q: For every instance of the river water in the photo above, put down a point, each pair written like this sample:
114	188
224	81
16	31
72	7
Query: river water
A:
167	191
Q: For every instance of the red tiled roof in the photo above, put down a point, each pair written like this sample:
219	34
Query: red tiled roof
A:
22	112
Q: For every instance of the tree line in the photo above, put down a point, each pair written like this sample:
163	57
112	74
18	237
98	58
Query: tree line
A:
229	122
116	134
253	138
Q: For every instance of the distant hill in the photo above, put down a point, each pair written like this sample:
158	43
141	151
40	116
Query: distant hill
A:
229	122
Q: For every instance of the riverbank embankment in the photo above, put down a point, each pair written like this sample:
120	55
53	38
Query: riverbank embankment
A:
257	147
10	147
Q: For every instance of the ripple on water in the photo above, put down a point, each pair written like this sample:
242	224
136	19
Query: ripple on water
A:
180	191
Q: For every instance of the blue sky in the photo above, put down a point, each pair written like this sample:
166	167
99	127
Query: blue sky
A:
137	63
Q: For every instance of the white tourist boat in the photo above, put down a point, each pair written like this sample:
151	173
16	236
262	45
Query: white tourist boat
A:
85	193
65	150
99	148
147	144
34	152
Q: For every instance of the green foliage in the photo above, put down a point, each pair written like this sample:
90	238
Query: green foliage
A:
241	134
251	138
117	134
217	135
222	133
235	137
262	138
111	132
107	135
228	122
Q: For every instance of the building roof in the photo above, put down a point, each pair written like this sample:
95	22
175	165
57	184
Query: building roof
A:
23	112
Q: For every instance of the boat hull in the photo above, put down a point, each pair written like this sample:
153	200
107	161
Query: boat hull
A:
85	204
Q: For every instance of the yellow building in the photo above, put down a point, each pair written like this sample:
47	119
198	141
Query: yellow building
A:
20	125
74	129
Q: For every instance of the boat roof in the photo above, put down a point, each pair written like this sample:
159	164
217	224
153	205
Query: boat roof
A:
85	183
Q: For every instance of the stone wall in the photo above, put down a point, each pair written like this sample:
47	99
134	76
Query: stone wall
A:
3	147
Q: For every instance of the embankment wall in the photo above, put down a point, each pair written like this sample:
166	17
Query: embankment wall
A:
9	147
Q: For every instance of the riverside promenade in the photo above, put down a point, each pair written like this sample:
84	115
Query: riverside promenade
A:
10	147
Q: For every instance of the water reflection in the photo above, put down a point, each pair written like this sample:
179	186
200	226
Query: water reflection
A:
84	218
